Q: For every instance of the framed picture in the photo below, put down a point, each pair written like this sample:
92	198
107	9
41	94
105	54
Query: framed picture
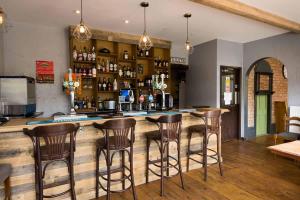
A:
44	71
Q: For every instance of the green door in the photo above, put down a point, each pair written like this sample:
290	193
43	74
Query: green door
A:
261	114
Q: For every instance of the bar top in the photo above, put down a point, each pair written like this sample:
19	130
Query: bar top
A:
16	125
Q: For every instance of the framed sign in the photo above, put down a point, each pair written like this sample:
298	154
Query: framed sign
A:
44	71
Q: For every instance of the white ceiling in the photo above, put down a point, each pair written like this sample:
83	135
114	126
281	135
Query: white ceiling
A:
165	17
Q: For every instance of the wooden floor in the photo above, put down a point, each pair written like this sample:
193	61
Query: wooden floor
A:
250	172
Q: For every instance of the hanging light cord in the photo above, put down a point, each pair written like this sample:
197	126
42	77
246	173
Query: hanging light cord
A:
187	29
81	21
145	20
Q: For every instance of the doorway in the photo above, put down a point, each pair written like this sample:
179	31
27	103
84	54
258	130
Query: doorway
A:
230	99
261	115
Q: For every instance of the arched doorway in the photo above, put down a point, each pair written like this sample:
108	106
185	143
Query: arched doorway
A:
266	84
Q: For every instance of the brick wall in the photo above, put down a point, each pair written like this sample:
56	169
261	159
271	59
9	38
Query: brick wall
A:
280	87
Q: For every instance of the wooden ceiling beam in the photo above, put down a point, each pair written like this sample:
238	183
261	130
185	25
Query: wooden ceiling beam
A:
242	9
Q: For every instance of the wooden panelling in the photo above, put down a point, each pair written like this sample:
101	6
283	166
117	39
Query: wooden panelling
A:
17	150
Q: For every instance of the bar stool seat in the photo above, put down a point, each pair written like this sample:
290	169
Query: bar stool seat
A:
5	171
101	143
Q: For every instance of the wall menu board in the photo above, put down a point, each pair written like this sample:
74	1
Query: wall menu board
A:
44	71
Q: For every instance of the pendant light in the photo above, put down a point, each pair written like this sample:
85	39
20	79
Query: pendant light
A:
81	31
188	44
145	42
1	16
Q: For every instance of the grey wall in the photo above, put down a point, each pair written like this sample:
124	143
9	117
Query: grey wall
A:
228	54
1	51
26	43
286	48
201	84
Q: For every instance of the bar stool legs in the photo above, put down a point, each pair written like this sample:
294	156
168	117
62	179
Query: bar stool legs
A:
7	189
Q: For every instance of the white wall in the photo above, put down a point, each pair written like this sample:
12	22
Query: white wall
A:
26	43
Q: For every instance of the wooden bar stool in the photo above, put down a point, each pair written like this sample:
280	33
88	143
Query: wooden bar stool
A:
5	172
211	126
55	143
118	138
169	131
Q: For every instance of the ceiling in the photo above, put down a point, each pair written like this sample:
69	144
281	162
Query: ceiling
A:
165	17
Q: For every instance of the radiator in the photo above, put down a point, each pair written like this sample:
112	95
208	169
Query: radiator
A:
294	112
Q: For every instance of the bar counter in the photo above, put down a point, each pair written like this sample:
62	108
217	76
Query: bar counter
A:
16	149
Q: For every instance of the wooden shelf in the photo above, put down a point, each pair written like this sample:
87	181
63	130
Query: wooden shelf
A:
144	58
106	73
127	61
87	77
106	91
84	62
123	78
107	55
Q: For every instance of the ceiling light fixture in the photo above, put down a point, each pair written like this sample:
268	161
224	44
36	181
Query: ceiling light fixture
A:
81	31
188	44
77	12
126	21
145	42
1	16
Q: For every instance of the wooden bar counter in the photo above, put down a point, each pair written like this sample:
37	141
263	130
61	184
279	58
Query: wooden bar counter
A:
16	149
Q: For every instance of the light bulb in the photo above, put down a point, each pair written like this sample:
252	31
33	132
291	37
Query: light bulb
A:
145	39
187	46
1	19
81	29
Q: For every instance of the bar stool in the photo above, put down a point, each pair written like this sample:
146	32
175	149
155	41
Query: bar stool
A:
169	131
206	130
55	143
5	172
115	140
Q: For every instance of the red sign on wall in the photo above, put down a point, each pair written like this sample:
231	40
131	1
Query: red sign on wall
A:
44	71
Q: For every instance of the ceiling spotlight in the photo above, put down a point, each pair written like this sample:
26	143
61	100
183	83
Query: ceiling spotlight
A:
77	12
126	21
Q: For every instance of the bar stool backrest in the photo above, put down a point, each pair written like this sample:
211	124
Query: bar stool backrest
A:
214	118
119	129
170	126
54	139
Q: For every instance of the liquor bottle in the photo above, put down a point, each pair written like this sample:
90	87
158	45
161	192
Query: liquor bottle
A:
147	53
90	74
125	55
107	66
84	102
103	68
93	54
83	71
115	66
99	68
109	85
155	62
141	53
111	66
115	85
128	72
99	85
120	72
167	63
89	55
89	104
94	72
79	56
74	53
104	84
131	73
84	54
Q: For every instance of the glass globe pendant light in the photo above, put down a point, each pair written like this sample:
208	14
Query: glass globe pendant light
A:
81	31
1	16
188	44
145	42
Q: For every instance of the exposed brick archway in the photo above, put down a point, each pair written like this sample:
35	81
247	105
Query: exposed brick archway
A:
280	88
